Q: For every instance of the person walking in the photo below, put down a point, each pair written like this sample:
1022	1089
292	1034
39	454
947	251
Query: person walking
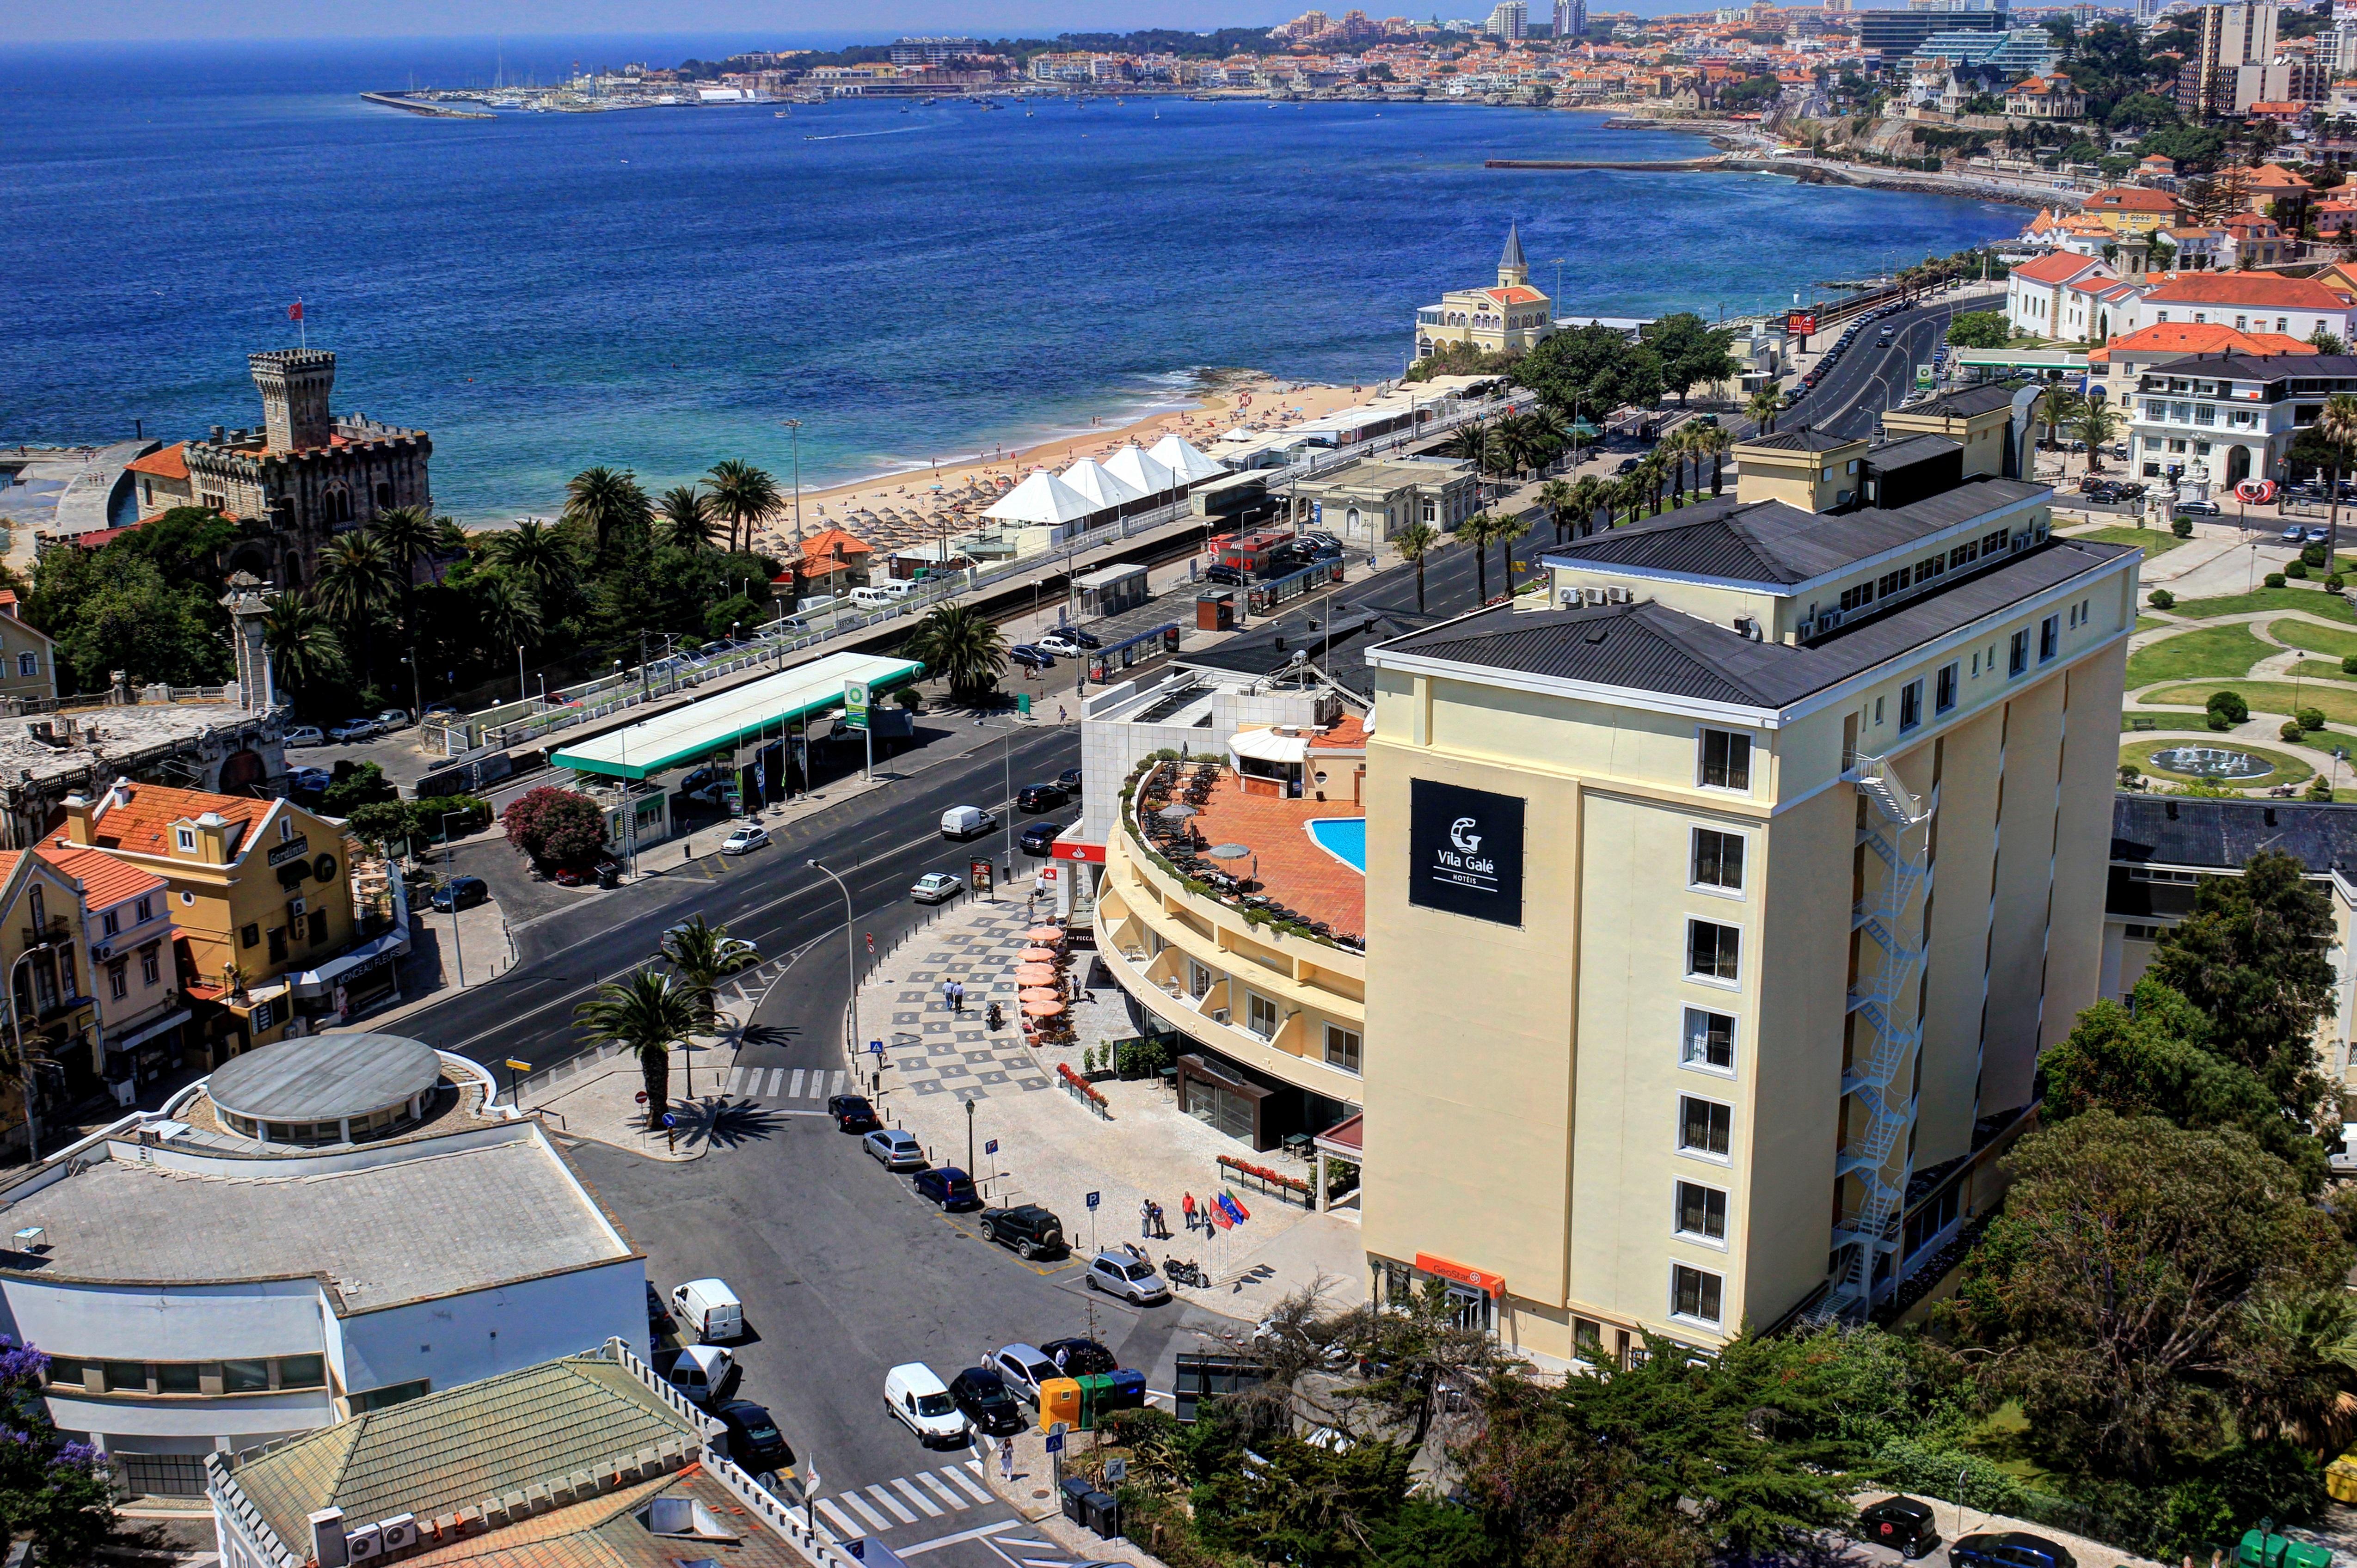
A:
949	995
1161	1224
1006	1460
1187	1212
957	995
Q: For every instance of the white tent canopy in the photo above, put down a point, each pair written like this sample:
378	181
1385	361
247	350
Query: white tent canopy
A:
1267	746
1042	498
1132	467
1103	490
1174	453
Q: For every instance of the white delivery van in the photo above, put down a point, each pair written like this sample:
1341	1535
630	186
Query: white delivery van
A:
877	595
709	1310
700	1372
966	821
919	1401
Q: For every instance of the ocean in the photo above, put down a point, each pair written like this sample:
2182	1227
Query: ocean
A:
660	289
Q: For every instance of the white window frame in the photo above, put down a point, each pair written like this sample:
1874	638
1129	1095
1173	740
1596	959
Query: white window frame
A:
1750	748
1686	955
1253	1000
1356	1066
1694	850
1686	1016
185	837
1207	977
1693	1153
1677	1214
1695	1317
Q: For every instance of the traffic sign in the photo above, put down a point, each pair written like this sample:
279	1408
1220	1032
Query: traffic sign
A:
991	1146
1054	1443
1092	1199
515	1066
1116	1470
642	1097
670	1119
877	1047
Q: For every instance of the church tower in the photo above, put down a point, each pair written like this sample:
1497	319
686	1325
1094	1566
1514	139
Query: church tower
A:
1512	270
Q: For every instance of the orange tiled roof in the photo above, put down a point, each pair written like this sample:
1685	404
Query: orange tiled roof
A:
2202	338
1512	296
836	541
2275	176
142	825
171	463
2131	198
2247	288
2055	269
105	881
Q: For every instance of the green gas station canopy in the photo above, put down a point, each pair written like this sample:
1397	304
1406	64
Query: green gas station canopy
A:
692	733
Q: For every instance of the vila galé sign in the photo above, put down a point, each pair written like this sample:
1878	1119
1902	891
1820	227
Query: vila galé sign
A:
1465	851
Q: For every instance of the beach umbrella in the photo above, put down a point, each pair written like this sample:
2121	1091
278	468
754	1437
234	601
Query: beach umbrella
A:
1039	993
1045	933
1038	955
1042	1009
1034	974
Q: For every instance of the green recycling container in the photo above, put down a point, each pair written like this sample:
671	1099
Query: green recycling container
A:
2260	1549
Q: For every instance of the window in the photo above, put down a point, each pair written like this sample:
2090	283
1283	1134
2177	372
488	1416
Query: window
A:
1877	710
285	829
264	1014
126	1377
1702	1211
38	907
302	1372
1962	555
1695	1294
1911	705
1260	1015
2050	637
1712	950
2139	934
1718	860
1726	760
1926	1223
149	969
1993	543
1927	570
278	944
28	664
112	922
1703	1126
186	838
1852	598
2016	653
178	1377
1587	1339
1708	1040
118	979
1198	980
1342	1048
1943	689
1891	583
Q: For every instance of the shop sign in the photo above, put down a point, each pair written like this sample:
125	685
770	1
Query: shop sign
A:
1093	853
1481	1280
977	873
1801	323
292	849
855	705
1465	851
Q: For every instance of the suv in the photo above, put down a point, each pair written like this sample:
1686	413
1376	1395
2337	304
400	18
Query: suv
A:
1128	1276
2008	1548
852	1112
754	1440
1039	838
1221	572
1080	1357
982	1397
1900	1523
1039	797
1031	1231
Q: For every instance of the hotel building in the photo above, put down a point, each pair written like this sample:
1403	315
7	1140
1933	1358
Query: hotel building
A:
1721	895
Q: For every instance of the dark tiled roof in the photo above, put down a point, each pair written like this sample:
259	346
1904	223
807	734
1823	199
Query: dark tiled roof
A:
2183	831
2273	368
1800	440
1967	403
1338	647
1771	542
1648	646
1910	449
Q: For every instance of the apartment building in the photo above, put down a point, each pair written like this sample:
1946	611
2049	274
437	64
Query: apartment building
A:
2249	301
1720	898
2221	419
2230	70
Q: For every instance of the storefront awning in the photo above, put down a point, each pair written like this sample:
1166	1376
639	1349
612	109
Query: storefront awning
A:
140	1037
1344	1140
393	944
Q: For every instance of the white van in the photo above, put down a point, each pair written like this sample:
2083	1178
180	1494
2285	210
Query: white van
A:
709	1310
879	596
700	1372
966	823
919	1401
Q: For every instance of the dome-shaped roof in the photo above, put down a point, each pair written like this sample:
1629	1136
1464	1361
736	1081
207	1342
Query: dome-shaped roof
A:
325	1078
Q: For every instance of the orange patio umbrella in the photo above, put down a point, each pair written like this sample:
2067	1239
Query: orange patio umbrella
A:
1045	933
1042	1009
1034	974
1038	955
1041	993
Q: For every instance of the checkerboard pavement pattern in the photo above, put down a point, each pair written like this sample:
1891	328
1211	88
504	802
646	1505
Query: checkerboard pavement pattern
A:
937	1051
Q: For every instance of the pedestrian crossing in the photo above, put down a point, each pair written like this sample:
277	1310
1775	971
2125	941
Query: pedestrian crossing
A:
906	1499
810	1084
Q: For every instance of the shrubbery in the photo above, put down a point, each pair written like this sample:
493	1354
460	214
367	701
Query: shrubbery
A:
555	827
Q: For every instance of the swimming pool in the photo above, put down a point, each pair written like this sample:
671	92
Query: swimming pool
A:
1344	838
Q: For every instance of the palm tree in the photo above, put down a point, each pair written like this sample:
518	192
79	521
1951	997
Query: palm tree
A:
702	957
2310	1345
688	517
1627	494
1475	532
1587	495
1505	530
1721	443
1651	471
957	642
744	495
354	581
536	551
2055	407
646	1016
301	640
2337	426
1415	542
1765	405
408	536
2096	423
1469	441
1680	444
607	501
1556	496
508	610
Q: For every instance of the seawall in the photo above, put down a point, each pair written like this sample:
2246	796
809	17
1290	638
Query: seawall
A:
1814	171
431	111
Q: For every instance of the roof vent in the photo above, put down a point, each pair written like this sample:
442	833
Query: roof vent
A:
1746	627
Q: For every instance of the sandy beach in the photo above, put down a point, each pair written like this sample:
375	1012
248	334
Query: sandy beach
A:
920	505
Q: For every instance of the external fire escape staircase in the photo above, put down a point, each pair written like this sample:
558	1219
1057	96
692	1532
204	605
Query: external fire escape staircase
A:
1878	1077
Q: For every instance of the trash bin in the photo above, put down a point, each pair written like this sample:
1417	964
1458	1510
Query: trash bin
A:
1100	1512
1077	1491
609	875
2267	1550
1059	1399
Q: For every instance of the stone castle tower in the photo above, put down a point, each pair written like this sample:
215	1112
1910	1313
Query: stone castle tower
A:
295	384
1512	270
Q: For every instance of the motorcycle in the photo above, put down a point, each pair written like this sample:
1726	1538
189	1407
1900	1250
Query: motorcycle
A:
1182	1273
996	1018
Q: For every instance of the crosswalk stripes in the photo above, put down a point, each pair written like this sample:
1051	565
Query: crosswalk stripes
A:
892	1505
907	1490
795	1090
782	1083
888	1504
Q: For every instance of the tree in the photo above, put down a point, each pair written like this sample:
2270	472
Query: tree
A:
408	536
357	784
2108	1296
555	827
539	554
1980	330
1690	352
2252	956
1557	495
1720	443
1415	542
744	495
606	503
645	1015
116	608
2336	425
2142	111
56	1493
304	650
961	645
1587	495
702	957
1765	405
1553	1498
688	517
1470	441
1480	530
1590	367
355	582
2098	423
2324	341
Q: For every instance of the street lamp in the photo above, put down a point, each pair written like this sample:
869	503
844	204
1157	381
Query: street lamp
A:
1006	761
850	953
457	951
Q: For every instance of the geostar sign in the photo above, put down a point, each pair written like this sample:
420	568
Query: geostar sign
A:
1465	851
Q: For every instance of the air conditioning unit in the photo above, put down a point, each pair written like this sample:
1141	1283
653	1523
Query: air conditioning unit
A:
1568	598
399	1532
362	1545
1592	595
1219	1015
101	952
1619	595
297	908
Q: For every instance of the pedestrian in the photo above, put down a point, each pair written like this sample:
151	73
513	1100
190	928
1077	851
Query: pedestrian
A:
1146	1219
1006	1460
1161	1224
949	992
1061	714
1187	1210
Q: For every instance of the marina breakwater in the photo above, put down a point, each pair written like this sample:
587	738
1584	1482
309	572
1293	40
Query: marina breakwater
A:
431	111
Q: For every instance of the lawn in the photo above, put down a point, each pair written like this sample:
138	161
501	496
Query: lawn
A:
2155	541
2338	702
2335	645
2315	601
2287	769
2220	652
2151	623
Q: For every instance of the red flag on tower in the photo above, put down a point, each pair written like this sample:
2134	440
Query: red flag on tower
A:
294	311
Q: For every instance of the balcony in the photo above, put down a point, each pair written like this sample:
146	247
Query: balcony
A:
49	933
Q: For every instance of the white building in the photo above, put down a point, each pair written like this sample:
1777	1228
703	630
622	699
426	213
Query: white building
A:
1570	18
1510	19
2036	292
323	1227
2250	301
2216	420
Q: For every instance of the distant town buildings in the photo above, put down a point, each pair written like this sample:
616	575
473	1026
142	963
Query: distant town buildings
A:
1570	18
1509	19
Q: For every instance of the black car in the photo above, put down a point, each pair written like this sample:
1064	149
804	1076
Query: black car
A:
1030	1230
1629	464
1900	1523
1080	1357
460	893
1039	797
754	1440
2199	509
851	1113
1068	781
2008	1548
1031	658
947	1186
1075	635
1039	838
1221	572
982	1397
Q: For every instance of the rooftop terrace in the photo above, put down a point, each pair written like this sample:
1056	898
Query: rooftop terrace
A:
1287	870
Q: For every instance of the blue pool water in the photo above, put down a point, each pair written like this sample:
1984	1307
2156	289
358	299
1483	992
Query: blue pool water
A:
1344	838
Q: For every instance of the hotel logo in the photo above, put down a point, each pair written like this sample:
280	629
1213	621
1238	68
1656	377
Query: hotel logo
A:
1465	851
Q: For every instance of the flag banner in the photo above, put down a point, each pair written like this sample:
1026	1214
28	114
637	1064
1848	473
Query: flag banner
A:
1233	1210
294	311
1221	1215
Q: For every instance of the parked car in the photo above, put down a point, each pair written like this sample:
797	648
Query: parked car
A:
708	1309
898	1150
1039	838
1068	781
353	730
702	1372
921	1402
1127	1276
305	734
1025	1368
744	838
1900	1523
1031	1231
391	719
2199	509
754	1440
2008	1548
734	944
949	1186
1031	656
657	1315
1222	573
311	780
851	1113
1062	647
2289	536
460	893
1039	797
982	1397
1629	465
2317	536
935	887
966	821
1080	1357
1327	543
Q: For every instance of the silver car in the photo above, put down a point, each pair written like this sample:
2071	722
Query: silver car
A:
1128	1276
898	1150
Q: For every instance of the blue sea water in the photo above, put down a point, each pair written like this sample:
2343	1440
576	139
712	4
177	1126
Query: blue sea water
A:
1344	838
658	289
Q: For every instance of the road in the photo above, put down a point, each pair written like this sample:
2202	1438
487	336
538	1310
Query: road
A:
1871	377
